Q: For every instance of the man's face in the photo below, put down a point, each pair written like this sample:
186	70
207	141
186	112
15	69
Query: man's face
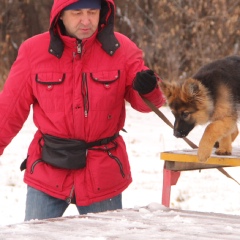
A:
81	23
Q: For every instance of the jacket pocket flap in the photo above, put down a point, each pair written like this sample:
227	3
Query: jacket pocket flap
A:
105	77
50	78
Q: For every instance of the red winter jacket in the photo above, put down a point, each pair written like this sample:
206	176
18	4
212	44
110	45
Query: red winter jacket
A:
77	96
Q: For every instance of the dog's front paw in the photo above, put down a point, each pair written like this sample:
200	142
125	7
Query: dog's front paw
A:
203	156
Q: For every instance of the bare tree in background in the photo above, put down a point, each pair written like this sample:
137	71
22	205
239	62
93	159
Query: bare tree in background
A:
19	20
177	36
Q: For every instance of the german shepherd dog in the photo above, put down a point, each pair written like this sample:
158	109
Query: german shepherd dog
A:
210	96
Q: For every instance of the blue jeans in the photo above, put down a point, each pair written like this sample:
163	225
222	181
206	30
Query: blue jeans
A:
42	206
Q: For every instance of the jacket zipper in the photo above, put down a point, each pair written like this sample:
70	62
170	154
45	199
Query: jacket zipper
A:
85	94
79	46
118	162
84	83
69	199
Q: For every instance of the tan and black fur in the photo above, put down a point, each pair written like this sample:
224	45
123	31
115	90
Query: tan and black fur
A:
211	95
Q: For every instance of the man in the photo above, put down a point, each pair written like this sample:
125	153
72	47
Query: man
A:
76	77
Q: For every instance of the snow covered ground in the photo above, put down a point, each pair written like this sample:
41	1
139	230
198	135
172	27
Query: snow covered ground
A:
207	191
153	222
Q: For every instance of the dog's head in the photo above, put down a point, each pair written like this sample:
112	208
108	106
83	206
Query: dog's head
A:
189	102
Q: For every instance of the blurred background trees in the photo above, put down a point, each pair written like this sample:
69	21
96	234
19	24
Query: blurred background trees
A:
176	36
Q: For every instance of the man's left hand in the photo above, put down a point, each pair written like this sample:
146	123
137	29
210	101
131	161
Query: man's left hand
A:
145	82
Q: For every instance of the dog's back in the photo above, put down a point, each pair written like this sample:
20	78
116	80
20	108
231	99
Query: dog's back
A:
223	72
211	95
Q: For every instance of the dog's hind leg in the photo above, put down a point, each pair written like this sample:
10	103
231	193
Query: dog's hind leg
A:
225	144
235	133
215	132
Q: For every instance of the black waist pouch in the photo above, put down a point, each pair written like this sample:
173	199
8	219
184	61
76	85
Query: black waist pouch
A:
64	153
68	153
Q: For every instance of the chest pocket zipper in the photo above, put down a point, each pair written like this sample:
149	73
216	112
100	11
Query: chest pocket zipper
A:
85	94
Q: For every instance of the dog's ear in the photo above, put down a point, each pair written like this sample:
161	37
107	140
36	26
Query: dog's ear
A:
166	87
191	86
194	89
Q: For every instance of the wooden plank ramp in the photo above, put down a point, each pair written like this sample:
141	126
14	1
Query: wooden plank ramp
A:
151	222
190	155
185	160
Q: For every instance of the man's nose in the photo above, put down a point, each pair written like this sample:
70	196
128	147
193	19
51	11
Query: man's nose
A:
85	20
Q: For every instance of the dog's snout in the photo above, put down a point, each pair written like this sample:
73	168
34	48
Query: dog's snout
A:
178	134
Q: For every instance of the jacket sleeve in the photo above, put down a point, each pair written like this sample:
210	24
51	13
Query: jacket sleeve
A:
134	64
15	99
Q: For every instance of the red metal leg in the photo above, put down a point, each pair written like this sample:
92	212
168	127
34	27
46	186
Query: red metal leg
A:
169	178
